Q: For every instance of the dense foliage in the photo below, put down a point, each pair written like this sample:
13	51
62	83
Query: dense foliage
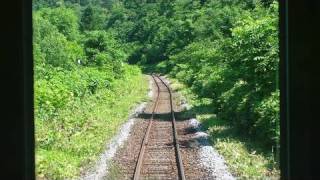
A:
69	63
224	50
84	88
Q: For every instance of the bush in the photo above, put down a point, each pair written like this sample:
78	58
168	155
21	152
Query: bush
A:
236	66
52	47
268	118
93	18
51	95
97	42
64	19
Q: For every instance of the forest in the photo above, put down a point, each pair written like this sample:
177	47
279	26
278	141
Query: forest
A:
90	55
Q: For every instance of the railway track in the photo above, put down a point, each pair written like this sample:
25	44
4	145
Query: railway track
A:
159	156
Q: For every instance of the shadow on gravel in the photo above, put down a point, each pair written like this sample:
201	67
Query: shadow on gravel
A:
180	116
188	130
199	139
194	111
217	129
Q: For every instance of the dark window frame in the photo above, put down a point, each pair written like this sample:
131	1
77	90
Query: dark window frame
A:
298	92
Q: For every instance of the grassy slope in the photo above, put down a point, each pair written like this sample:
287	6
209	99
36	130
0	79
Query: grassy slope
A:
245	159
94	121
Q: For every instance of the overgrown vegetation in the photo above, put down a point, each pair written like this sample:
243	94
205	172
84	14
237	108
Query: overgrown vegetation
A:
84	89
224	51
245	158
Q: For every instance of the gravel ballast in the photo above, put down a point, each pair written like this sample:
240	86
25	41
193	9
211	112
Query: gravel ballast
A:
200	159
209	157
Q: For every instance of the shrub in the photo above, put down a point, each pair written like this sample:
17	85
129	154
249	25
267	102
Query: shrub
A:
268	119
236	66
52	47
51	95
64	19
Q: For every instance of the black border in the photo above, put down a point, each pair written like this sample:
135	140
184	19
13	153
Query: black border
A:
299	76
16	75
284	116
299	67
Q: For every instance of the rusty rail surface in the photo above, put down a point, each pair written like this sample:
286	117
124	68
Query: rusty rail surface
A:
177	147
139	164
146	137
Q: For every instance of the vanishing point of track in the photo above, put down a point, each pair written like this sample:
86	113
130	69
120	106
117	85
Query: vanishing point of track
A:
159	156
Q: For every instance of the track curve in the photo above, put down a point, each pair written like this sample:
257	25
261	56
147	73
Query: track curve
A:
159	156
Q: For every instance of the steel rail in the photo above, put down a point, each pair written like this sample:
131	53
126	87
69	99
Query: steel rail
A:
175	135
146	137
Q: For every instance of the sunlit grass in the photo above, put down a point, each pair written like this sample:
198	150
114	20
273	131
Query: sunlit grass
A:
72	141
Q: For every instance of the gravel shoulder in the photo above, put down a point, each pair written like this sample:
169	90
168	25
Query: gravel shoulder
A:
104	164
200	160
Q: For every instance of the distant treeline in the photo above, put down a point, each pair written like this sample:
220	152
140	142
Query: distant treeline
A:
226	50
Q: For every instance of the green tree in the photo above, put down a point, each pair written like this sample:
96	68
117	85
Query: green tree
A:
93	18
64	19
